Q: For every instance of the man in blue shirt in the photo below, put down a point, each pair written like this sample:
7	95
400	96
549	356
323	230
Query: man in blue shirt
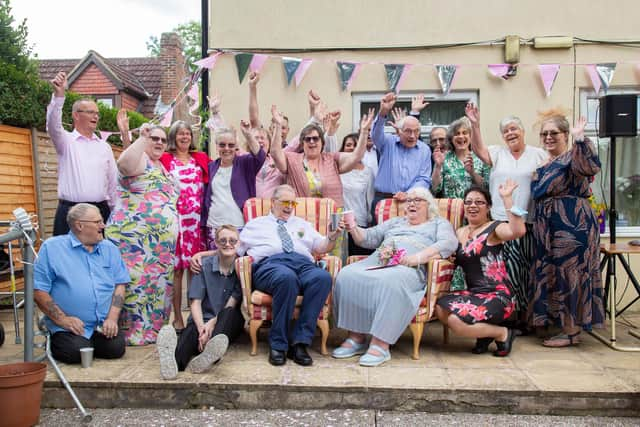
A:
405	161
79	285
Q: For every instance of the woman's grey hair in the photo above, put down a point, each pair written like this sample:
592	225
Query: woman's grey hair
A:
433	211
173	132
462	122
78	212
219	133
506	121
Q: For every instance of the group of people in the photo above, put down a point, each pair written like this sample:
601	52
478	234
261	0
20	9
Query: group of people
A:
128	231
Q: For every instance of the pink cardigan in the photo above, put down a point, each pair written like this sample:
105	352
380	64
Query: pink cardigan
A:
329	174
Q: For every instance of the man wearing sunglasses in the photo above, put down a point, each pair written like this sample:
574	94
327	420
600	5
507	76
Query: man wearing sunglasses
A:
86	167
283	247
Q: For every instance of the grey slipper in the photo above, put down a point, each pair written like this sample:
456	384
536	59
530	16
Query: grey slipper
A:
213	351
166	344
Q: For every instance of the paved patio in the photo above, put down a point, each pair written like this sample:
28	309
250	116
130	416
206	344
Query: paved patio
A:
589	379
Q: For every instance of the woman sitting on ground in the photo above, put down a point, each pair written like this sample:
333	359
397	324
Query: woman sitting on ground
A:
382	302
215	320
488	300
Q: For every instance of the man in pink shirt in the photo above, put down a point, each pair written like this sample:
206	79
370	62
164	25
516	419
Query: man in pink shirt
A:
86	167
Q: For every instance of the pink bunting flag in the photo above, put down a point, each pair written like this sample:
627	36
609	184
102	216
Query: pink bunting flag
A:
166	119
104	135
355	73
208	62
403	76
548	74
194	94
499	70
258	62
595	78
302	70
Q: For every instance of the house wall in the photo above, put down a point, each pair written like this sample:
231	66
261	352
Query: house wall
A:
357	24
93	82
129	102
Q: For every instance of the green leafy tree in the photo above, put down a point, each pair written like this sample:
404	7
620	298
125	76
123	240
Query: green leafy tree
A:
191	35
23	95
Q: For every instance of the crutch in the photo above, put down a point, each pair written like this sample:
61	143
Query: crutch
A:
13	292
86	416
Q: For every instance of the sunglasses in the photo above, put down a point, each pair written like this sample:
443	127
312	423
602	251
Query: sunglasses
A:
288	203
224	241
311	139
476	202
158	139
229	145
551	133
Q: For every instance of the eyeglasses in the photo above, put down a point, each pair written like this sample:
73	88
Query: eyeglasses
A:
551	133
158	139
90	112
288	203
411	131
230	145
96	222
311	139
476	202
415	200
224	241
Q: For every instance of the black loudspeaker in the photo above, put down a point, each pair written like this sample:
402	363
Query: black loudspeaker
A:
618	115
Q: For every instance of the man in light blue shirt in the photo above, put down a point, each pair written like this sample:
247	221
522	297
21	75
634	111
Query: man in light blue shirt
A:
80	280
405	160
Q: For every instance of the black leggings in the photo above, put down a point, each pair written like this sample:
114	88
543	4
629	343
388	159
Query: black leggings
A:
65	346
230	323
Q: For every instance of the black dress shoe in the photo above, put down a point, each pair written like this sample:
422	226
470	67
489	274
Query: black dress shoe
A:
277	357
298	352
482	345
504	347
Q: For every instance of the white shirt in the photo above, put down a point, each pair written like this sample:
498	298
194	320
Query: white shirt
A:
259	237
370	159
521	171
357	193
224	209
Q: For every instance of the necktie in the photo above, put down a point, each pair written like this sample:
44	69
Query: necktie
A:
287	243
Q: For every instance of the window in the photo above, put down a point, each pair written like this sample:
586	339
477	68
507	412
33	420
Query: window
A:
108	101
627	173
442	109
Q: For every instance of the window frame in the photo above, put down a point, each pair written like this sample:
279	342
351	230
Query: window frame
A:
591	131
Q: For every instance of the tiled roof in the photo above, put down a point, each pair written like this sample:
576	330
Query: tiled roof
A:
139	76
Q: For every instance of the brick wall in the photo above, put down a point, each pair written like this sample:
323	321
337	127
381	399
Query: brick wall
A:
130	102
173	72
93	82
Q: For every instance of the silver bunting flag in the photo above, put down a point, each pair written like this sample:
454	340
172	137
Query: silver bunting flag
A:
605	72
446	74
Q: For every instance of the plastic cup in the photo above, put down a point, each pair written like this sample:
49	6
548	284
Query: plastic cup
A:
335	221
349	218
86	356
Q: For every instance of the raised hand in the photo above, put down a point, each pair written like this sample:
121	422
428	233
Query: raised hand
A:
472	113
332	122
145	130
314	101
320	112
245	128
367	120
507	188
418	103
276	116
438	156
123	121
59	83
386	103
254	78
398	114
214	103
578	129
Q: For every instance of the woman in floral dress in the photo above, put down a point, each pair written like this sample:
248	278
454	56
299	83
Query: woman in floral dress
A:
566	280
144	226
488	300
190	169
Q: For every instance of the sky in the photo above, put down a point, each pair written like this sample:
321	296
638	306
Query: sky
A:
66	29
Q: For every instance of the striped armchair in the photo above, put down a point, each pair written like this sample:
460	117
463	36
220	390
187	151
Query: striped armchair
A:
256	305
439	272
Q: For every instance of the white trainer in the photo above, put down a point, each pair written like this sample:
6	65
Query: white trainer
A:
167	342
213	351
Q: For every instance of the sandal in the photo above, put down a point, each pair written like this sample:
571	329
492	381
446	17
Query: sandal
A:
504	347
562	340
482	345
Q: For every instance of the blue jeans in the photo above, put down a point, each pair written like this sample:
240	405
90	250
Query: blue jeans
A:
285	276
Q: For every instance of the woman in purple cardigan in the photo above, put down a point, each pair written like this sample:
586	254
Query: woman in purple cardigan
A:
232	180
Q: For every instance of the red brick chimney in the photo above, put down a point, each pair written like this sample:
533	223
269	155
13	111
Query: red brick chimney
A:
173	68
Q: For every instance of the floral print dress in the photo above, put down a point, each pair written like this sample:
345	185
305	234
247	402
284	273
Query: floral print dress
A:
144	225
488	297
190	241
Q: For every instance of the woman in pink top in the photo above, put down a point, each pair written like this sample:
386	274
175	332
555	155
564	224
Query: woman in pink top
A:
313	173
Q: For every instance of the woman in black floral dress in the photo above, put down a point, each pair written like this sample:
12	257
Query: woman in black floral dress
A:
488	301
